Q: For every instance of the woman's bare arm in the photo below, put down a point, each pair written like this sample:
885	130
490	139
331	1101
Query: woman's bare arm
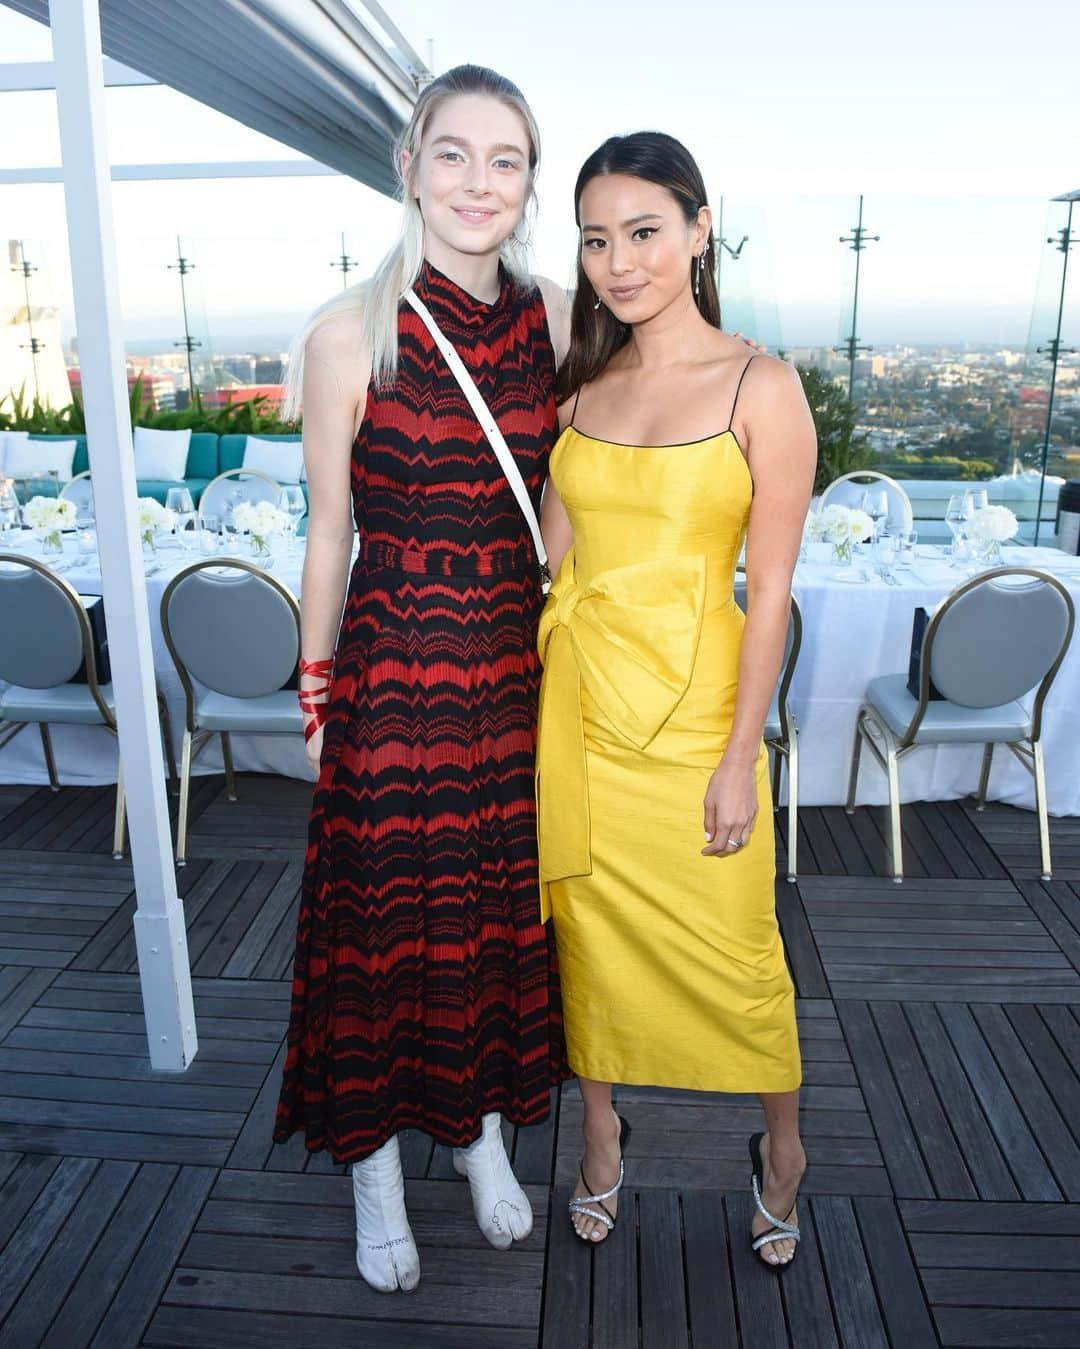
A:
336	374
777	431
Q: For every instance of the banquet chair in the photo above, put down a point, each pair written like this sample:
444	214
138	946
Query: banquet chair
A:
781	731
235	485
79	490
848	489
236	631
991	641
47	640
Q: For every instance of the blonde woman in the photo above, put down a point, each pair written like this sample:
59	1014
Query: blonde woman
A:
425	993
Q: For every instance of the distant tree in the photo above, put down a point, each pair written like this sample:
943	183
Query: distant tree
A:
840	449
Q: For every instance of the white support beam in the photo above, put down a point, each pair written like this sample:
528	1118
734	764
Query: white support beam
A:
160	936
137	173
22	76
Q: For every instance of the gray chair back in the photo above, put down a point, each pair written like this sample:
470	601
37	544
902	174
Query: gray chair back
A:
44	631
236	485
848	491
80	490
232	627
997	637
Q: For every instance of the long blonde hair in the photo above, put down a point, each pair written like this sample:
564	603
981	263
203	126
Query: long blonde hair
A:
377	298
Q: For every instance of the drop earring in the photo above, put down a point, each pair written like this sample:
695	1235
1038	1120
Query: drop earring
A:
597	304
697	275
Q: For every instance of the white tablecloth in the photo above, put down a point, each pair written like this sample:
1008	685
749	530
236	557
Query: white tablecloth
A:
853	631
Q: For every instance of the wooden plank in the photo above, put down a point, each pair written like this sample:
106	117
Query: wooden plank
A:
1000	1107
255	1139
929	1125
854	859
989	1328
241	914
948	1251
805	1290
663	1301
120	1067
22	1185
757	1288
806	968
710	1296
112	1143
198	1328
567	1282
146	1277
903	1308
976	1141
991	1218
899	1148
858	1318
176	1095
45	1291
280	903
615	1294
1054	903
39	1227
534	1148
1045	1053
1008	1288
1054	1139
23	987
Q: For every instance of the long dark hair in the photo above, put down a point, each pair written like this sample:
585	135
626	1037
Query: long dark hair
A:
596	334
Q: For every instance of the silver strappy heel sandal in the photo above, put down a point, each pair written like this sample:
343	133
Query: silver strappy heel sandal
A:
782	1229
592	1205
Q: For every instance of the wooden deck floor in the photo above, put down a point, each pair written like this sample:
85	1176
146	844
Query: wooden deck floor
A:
940	1027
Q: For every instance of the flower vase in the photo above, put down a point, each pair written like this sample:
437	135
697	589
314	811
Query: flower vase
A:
52	545
149	543
260	549
990	552
843	552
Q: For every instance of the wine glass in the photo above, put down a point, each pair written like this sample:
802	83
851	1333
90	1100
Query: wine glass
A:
875	502
958	515
178	500
10	515
294	504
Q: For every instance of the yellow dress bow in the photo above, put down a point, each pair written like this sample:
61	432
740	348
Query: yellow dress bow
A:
629	636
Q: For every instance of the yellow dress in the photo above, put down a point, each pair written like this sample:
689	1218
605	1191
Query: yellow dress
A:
671	963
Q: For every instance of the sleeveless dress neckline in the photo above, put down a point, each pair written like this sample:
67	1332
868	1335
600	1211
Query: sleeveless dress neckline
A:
447	299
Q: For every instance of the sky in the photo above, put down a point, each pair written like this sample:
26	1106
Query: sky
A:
957	120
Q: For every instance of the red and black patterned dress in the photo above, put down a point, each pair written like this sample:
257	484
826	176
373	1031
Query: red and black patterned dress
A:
425	990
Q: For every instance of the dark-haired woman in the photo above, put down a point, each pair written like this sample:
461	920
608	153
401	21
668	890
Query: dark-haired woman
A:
676	447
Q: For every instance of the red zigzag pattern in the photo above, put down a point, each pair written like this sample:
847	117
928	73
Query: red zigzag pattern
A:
425	991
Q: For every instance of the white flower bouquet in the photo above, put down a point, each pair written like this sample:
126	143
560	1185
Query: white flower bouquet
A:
843	527
989	528
47	516
262	520
153	518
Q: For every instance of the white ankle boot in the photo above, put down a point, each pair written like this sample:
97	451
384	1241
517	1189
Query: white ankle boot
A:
502	1210
385	1251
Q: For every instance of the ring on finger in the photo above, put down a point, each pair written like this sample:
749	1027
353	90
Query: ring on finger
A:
736	843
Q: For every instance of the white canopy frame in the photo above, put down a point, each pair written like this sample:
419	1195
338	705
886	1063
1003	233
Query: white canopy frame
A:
341	91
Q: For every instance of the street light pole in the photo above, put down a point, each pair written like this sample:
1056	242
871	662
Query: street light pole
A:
858	239
1062	241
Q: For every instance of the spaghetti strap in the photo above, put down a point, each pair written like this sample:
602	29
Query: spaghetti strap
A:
573	410
746	367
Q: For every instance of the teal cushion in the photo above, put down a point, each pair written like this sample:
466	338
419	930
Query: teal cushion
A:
231	449
945	722
202	460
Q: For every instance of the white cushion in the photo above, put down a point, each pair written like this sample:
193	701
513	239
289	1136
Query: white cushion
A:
161	455
9	438
31	458
282	460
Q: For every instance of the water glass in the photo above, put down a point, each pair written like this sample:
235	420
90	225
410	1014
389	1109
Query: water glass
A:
10	515
86	542
294	504
210	535
886	551
875	502
958	515
980	498
178	500
906	543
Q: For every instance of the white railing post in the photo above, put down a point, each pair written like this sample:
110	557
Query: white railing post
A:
160	935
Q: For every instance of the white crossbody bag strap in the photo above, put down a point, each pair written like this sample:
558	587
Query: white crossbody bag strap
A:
489	426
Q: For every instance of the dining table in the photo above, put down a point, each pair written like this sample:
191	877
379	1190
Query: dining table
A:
857	624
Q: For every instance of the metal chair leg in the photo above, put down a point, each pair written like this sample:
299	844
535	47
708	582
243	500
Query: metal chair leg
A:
230	776
853	776
896	856
776	767
165	722
793	806
50	762
120	825
984	776
1040	808
185	792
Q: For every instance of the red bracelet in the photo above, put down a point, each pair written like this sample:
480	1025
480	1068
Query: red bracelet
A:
316	711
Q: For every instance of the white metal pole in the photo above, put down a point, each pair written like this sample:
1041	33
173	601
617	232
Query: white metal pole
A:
160	936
